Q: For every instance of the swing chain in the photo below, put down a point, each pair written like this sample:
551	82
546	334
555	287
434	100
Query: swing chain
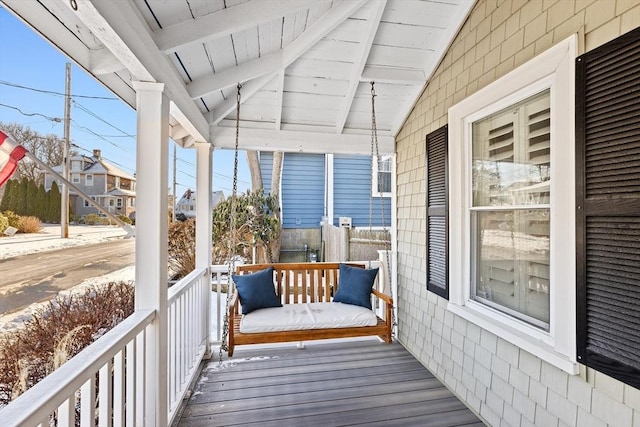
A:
224	346
375	151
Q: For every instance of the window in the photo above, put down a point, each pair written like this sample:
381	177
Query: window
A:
76	165
86	202
510	181
88	180
382	171
608	220
119	202
75	178
511	232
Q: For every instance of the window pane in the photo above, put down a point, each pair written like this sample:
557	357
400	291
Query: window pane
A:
512	262
511	155
384	182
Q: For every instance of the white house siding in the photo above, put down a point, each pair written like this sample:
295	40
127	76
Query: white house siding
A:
507	386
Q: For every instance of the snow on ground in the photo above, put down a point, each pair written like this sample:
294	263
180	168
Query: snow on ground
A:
48	240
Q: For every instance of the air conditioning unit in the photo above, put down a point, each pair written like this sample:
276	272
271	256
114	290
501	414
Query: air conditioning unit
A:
345	221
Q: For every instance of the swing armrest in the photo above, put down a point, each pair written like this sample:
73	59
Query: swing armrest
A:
234	305
384	297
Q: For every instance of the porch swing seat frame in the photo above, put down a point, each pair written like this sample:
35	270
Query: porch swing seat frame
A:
300	283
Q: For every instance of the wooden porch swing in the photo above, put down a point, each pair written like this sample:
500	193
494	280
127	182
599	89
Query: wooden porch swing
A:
289	302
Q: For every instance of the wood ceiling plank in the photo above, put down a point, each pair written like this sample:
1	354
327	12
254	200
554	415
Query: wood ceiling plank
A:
315	85
400	57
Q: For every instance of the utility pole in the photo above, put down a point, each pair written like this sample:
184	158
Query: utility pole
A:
64	208
173	208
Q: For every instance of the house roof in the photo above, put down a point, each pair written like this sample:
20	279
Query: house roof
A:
305	65
120	192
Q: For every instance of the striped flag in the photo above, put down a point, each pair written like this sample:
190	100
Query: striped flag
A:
10	153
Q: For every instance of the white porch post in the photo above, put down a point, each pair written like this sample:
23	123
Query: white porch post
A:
151	240
203	224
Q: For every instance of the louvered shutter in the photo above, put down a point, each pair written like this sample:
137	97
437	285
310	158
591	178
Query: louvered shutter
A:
437	213
608	208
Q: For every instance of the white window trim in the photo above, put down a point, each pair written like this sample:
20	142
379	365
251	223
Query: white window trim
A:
75	178
88	180
374	177
552	69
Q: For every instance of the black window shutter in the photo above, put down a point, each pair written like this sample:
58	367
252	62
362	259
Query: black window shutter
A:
608	208
437	213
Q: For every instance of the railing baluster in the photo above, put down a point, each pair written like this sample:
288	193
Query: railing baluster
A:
118	389
67	413
104	395
130	407
88	403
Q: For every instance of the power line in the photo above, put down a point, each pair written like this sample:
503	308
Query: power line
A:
76	125
53	119
94	115
50	92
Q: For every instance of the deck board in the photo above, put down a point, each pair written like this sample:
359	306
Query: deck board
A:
356	382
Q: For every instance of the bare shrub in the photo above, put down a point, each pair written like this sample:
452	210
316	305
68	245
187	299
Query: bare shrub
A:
182	247
29	224
57	332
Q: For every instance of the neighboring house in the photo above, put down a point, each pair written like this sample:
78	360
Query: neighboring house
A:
112	188
317	187
187	203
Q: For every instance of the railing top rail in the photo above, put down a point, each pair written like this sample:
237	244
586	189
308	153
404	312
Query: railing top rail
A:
36	403
184	283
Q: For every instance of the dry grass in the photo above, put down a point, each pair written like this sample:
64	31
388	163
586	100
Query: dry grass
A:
182	247
58	332
29	224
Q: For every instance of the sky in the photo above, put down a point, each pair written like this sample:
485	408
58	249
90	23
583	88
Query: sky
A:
32	86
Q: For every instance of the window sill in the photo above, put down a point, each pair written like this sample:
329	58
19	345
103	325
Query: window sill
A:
531	340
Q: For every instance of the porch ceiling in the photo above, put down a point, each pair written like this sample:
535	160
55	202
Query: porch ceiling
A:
305	65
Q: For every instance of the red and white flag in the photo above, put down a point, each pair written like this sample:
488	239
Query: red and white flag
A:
10	153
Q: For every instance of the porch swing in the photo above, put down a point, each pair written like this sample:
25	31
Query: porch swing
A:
296	302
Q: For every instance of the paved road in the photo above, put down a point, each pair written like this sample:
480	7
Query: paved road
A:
38	277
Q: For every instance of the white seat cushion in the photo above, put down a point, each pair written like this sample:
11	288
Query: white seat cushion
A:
315	315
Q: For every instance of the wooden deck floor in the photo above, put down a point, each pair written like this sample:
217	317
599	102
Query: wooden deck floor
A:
339	384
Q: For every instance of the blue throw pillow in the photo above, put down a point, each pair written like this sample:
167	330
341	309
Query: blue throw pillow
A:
355	285
256	290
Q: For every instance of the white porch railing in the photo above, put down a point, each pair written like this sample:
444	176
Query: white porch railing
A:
188	306
98	382
105	381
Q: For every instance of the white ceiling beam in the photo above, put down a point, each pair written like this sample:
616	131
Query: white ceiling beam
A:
393	75
231	76
225	22
247	91
124	32
377	9
298	141
323	26
280	96
104	62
